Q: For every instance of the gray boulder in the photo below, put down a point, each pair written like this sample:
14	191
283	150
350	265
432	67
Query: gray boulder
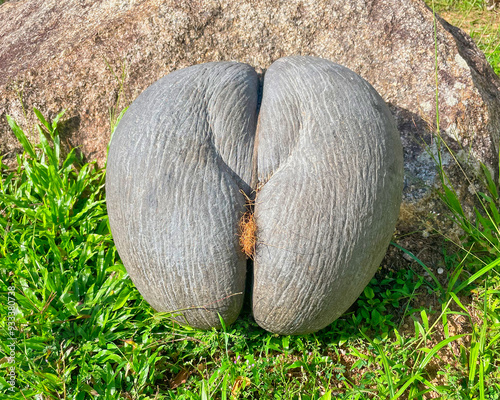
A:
325	161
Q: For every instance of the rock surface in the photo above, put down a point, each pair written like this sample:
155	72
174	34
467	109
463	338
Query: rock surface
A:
60	54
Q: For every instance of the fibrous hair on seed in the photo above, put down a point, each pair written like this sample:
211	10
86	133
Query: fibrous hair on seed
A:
248	229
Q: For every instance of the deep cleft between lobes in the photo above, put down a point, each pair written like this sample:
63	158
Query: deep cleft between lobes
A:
323	165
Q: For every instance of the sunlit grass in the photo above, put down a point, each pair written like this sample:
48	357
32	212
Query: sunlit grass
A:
477	19
84	330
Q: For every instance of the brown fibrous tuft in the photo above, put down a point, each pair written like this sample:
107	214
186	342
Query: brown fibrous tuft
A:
248	233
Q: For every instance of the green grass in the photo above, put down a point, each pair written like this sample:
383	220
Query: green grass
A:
82	330
480	22
457	5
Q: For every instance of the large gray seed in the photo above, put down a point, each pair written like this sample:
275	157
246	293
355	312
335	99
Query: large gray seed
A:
177	162
327	167
330	165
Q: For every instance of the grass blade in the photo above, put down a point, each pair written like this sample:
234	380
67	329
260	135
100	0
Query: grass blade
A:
477	275
42	119
405	386
431	274
28	148
436	348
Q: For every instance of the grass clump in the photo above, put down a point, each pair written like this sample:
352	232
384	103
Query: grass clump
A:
72	294
83	330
